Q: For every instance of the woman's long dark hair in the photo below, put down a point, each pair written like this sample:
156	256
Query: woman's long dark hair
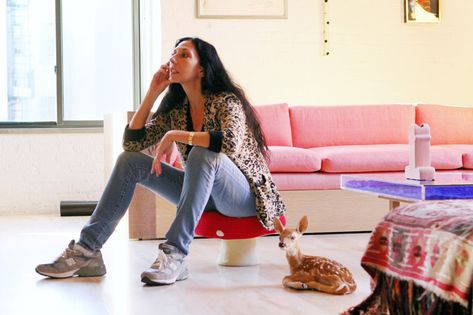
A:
215	80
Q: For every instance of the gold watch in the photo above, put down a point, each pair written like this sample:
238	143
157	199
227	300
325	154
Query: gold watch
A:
190	138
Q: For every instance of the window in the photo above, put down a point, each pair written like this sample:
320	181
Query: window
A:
97	58
69	79
150	41
27	77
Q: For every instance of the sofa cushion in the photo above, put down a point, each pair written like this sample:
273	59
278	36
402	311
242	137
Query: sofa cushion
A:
293	160
448	124
466	151
322	126
380	158
275	124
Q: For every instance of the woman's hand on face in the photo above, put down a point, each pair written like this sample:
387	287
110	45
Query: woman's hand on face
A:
160	80
163	149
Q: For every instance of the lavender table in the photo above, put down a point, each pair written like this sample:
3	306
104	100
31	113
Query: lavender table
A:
396	188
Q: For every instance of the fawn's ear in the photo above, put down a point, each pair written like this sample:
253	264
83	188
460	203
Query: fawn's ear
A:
278	225
303	224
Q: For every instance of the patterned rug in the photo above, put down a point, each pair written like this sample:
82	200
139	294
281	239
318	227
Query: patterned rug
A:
420	258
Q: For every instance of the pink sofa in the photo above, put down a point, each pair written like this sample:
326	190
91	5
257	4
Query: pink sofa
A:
311	146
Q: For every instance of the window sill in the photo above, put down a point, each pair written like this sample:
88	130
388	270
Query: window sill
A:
51	130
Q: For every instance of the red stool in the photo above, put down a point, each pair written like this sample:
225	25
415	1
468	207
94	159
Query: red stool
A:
238	235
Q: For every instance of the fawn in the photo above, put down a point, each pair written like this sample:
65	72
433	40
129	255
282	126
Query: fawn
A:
311	272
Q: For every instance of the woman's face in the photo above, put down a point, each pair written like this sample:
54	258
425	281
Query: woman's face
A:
184	64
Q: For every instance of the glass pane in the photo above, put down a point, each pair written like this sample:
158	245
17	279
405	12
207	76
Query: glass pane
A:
97	58
150	42
27	61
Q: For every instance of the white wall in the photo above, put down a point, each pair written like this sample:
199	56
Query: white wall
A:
40	170
375	57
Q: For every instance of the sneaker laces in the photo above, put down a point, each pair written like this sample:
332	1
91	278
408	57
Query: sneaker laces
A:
161	262
68	252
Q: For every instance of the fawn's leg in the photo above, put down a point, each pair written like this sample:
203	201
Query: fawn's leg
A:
293	283
338	288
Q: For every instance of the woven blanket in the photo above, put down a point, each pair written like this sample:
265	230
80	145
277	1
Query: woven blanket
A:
428	245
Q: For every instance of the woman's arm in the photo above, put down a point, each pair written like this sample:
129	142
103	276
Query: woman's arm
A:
158	84
138	134
201	139
164	148
233	123
139	139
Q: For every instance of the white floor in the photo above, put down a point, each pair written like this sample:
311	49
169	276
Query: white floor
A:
211	289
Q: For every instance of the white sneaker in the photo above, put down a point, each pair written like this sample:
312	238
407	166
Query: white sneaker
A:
168	268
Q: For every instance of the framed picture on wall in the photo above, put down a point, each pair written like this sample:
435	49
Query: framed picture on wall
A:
241	9
422	11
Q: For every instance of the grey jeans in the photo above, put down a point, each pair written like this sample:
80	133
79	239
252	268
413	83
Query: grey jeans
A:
210	181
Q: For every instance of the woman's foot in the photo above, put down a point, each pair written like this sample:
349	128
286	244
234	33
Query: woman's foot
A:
74	261
168	268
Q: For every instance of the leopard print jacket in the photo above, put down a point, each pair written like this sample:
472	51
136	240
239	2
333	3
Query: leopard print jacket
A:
223	112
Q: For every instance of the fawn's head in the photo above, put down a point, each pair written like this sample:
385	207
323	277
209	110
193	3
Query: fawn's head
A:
289	238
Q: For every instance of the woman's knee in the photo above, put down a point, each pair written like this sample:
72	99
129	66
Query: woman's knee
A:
130	158
199	156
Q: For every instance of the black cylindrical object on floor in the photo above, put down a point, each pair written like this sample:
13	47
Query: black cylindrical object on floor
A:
77	208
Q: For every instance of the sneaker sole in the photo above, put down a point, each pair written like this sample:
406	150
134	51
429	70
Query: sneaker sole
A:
81	272
149	281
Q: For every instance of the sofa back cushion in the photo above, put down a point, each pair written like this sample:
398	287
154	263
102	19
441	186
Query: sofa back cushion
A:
319	126
274	120
448	124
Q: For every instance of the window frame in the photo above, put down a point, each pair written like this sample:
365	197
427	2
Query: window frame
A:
60	123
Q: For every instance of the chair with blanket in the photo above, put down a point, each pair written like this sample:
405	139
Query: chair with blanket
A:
420	258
